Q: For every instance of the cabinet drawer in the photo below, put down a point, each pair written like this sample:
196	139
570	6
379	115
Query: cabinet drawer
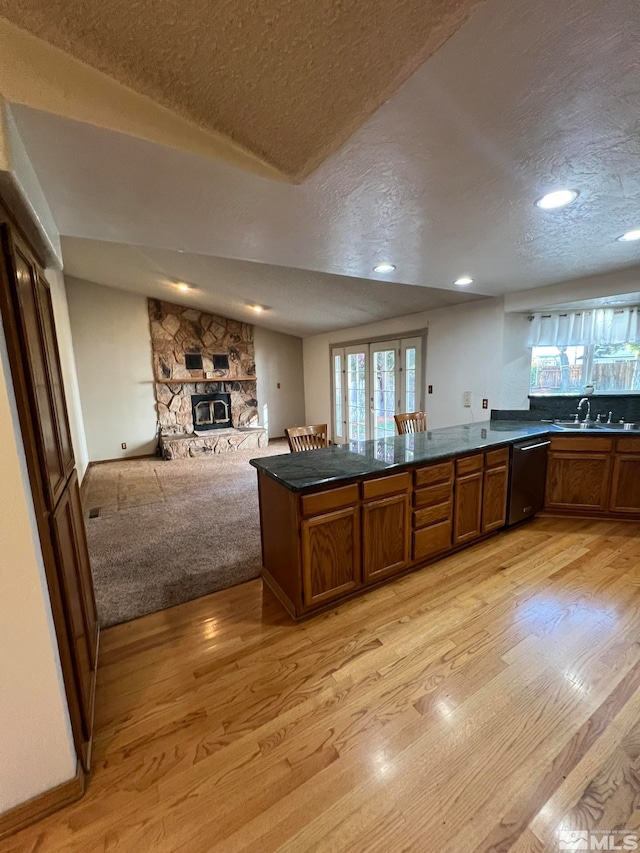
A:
571	442
431	514
321	502
432	495
469	465
628	445
431	540
441	473
384	486
494	458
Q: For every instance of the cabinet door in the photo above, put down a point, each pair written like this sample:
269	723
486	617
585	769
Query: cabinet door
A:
467	508
63	430
494	500
45	408
330	555
386	537
625	486
43	413
79	604
578	480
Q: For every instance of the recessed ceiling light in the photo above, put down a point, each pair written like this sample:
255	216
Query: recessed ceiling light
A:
182	286
558	198
463	280
258	309
384	267
630	236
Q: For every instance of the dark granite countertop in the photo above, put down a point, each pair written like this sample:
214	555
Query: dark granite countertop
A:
313	468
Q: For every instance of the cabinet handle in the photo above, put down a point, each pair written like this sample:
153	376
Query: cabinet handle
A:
533	446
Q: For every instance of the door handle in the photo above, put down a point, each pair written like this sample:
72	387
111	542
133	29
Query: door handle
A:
533	446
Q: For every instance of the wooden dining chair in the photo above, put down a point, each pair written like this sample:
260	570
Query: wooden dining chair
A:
411	422
307	437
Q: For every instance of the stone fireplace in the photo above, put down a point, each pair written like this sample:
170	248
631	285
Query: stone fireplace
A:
205	382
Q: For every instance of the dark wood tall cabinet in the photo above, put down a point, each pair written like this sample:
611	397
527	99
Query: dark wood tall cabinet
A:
27	314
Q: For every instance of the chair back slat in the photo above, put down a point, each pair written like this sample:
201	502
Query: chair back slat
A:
307	437
411	422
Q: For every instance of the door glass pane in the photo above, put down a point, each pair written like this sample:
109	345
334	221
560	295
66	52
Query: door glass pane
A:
383	391
410	379
337	390
356	396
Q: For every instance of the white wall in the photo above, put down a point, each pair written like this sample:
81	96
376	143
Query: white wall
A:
112	345
516	363
279	362
69	374
36	746
468	347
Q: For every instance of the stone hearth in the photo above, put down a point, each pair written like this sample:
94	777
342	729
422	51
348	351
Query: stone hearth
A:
219	441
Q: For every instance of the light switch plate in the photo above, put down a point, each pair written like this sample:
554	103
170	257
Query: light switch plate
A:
466	399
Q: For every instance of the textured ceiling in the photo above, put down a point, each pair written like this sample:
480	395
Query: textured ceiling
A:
299	302
441	181
288	80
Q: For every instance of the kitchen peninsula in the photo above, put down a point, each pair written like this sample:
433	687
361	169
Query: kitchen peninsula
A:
339	520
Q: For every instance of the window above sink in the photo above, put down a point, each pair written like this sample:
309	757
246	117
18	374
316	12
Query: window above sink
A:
572	350
610	368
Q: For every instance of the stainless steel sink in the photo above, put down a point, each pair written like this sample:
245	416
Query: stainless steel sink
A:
592	425
572	425
621	427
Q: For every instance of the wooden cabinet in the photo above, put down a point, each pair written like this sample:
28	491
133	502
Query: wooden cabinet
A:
330	555
47	406
625	483
75	576
319	547
330	544
433	509
579	473
494	490
467	509
386	527
27	315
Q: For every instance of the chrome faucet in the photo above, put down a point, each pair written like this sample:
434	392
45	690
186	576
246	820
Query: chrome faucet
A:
588	402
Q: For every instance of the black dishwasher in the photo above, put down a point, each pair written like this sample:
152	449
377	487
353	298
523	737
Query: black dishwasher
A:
528	477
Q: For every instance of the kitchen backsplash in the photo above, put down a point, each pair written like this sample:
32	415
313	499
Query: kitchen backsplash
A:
625	406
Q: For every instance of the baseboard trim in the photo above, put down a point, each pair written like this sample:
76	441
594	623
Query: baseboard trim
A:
44	804
122	459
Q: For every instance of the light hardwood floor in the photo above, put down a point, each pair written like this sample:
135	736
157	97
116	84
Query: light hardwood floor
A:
481	704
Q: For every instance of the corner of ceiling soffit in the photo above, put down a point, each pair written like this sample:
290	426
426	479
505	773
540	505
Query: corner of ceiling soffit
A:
35	74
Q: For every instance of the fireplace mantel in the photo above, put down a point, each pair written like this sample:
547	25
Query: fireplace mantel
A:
193	379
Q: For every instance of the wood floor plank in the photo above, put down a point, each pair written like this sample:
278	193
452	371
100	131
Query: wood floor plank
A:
476	705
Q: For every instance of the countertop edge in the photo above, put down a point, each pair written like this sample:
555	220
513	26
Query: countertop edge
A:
545	431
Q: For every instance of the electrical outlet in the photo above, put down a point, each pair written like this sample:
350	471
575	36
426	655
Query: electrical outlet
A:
278	385
430	389
124	445
485	403
466	399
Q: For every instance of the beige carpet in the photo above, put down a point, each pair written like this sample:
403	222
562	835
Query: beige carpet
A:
168	532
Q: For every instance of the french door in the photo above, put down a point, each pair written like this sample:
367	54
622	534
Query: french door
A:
373	382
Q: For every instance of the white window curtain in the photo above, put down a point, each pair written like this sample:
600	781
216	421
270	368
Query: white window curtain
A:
584	328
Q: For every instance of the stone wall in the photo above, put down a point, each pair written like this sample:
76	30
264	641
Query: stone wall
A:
178	331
